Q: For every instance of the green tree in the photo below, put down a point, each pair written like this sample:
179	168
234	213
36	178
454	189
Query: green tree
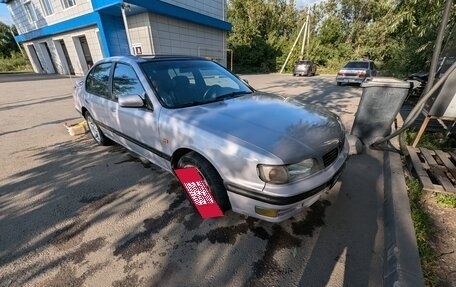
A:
7	44
399	35
261	32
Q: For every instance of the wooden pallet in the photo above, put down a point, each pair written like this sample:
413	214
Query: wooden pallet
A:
435	169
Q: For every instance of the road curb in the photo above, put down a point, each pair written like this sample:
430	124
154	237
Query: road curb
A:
402	261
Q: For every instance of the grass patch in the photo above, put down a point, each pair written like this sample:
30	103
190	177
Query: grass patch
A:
447	200
423	231
16	63
432	140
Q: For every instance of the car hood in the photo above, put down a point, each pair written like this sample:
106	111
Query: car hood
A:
289	129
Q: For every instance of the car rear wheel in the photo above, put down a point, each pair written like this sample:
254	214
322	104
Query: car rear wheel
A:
210	175
95	131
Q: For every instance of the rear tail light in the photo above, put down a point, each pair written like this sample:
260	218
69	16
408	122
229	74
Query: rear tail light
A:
361	74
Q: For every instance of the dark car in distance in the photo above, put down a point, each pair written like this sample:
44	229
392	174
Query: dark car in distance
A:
304	68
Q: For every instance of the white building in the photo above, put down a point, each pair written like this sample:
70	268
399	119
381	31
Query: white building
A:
68	36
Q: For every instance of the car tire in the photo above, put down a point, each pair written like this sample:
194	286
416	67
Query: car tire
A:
339	83
95	131
210	175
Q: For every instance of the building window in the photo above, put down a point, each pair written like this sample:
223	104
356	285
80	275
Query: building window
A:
68	3
46	5
30	10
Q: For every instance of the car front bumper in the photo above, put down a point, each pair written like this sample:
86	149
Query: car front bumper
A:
348	79
246	201
302	72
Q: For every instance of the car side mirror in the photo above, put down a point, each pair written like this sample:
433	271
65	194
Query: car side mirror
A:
131	101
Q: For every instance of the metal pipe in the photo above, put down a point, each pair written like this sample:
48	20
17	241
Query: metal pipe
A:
438	45
127	30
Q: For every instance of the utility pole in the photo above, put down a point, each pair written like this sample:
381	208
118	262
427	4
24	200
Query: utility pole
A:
14	37
305	40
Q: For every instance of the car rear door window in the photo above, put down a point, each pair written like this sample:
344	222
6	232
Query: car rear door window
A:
98	80
125	82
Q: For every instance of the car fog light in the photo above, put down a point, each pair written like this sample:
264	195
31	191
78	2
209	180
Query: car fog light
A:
266	211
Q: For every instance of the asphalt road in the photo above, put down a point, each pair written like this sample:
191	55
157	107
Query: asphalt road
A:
74	214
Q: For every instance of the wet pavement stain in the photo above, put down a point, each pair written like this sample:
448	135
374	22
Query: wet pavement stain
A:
144	241
267	267
226	234
129	281
79	255
229	234
193	222
313	219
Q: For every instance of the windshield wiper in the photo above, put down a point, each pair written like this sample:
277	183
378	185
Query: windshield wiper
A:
232	95
194	103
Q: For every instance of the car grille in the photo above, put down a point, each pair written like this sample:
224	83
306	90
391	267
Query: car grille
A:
331	156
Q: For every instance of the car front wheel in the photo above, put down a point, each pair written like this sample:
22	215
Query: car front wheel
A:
210	175
95	131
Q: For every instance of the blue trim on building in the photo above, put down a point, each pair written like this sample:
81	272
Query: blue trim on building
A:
162	8
114	35
61	27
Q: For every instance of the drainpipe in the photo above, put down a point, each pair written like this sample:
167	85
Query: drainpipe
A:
127	30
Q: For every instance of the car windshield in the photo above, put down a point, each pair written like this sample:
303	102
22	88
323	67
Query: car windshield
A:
357	65
183	83
304	62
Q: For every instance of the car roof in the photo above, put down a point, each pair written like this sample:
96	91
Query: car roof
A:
148	58
360	61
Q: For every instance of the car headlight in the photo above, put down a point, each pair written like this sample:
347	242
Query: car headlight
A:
280	174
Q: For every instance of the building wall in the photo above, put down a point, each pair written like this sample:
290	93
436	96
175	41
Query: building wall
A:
213	8
171	36
24	25
170	27
74	53
140	33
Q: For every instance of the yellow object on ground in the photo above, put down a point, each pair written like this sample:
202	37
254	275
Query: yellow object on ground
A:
77	129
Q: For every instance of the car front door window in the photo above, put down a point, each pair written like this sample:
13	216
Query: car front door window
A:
125	82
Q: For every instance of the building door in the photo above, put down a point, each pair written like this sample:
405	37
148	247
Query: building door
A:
86	51
67	57
48	58
34	59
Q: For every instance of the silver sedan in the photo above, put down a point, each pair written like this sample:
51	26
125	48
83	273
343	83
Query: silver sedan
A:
260	155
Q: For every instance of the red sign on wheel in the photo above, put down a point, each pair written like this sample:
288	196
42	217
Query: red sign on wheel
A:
199	192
